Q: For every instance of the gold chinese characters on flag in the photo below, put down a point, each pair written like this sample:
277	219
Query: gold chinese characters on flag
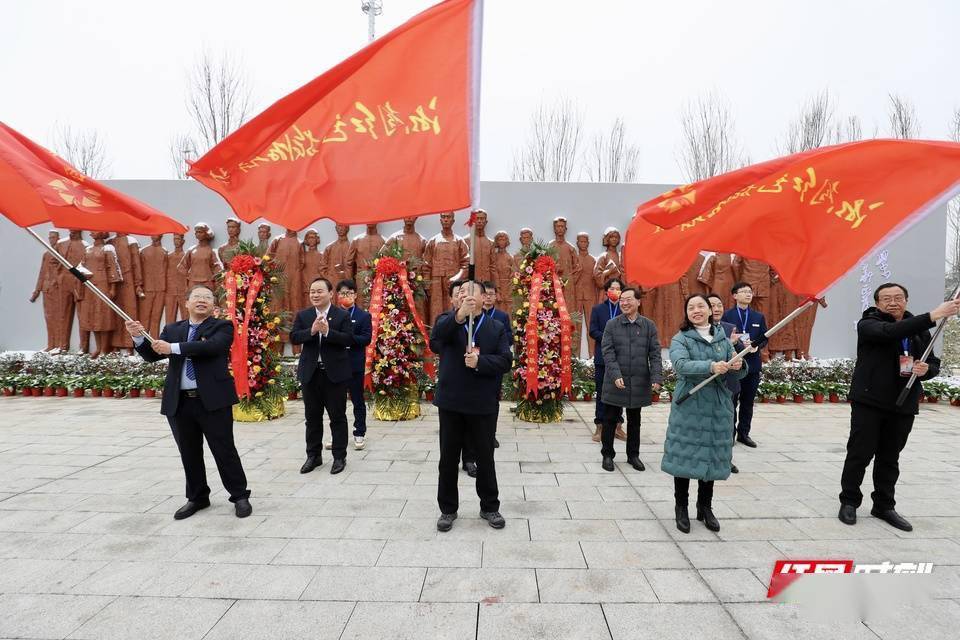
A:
386	133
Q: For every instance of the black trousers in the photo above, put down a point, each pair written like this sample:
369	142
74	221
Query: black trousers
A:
189	426
599	371
318	395
455	429
359	406
877	434
611	417
743	402
681	492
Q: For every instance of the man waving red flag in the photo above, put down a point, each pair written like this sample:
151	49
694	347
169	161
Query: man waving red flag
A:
387	133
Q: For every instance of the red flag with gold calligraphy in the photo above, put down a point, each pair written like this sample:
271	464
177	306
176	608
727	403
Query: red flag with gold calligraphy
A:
811	216
37	186
387	133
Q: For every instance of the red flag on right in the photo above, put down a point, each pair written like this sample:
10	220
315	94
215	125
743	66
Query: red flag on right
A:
811	216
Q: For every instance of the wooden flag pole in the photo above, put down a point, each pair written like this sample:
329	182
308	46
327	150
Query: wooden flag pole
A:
82	277
926	353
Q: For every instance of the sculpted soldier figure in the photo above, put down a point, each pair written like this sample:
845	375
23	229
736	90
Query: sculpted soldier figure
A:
413	245
502	265
176	288
568	265
608	264
719	276
314	265
154	260
287	254
130	290
95	316
363	249
483	247
264	233
337	256
200	263
73	249
526	239
445	257
48	283
586	290
227	249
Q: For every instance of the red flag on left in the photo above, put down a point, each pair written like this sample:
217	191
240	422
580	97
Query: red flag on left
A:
36	186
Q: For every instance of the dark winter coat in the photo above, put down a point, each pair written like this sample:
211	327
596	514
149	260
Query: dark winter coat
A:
631	351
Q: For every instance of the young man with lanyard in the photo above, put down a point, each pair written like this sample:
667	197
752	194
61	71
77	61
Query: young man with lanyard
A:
751	325
362	334
600	315
890	341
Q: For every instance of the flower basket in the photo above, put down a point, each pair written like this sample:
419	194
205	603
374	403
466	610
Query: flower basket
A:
543	413
260	411
396	407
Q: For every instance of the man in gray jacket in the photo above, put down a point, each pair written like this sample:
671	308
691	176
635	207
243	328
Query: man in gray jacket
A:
631	356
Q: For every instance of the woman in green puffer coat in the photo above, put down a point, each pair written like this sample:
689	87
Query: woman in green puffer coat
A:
698	443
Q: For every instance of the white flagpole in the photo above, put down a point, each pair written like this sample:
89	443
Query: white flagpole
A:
476	54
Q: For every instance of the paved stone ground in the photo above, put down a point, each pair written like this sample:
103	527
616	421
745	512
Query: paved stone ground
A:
89	549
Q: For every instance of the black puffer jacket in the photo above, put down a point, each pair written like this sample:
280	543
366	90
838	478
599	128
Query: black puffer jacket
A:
876	377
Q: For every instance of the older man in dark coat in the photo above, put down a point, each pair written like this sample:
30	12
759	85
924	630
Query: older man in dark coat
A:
633	370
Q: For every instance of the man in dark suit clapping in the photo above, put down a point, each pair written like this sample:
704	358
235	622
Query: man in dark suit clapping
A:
362	334
325	331
468	382
198	398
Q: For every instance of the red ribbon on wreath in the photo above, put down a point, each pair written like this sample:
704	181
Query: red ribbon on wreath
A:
241	341
545	266
389	266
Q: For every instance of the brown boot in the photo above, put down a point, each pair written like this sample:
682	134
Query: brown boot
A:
620	434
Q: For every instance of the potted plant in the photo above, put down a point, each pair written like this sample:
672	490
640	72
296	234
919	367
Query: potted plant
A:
833	391
798	390
780	391
76	384
47	385
818	389
150	386
933	391
955	395
764	391
670	385
8	383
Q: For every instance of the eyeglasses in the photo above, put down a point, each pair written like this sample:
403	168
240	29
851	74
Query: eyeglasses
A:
886	299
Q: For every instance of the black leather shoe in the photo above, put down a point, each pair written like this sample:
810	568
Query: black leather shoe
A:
683	519
496	443
747	440
494	518
734	469
848	514
607	464
445	522
893	519
190	508
243	508
312	463
705	515
470	468
338	465
636	464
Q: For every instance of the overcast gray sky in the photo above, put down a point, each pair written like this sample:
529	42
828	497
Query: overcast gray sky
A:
119	66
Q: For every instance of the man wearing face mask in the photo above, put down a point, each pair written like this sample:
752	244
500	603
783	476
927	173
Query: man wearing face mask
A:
362	334
600	315
890	341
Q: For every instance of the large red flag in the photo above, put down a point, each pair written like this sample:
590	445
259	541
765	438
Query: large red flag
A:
387	133
36	186
811	216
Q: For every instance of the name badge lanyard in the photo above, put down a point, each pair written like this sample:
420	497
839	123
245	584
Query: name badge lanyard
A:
614	309
476	328
744	320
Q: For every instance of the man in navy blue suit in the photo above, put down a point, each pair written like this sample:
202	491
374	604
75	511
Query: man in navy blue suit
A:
198	398
751	325
491	311
326	333
362	334
600	315
468	382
